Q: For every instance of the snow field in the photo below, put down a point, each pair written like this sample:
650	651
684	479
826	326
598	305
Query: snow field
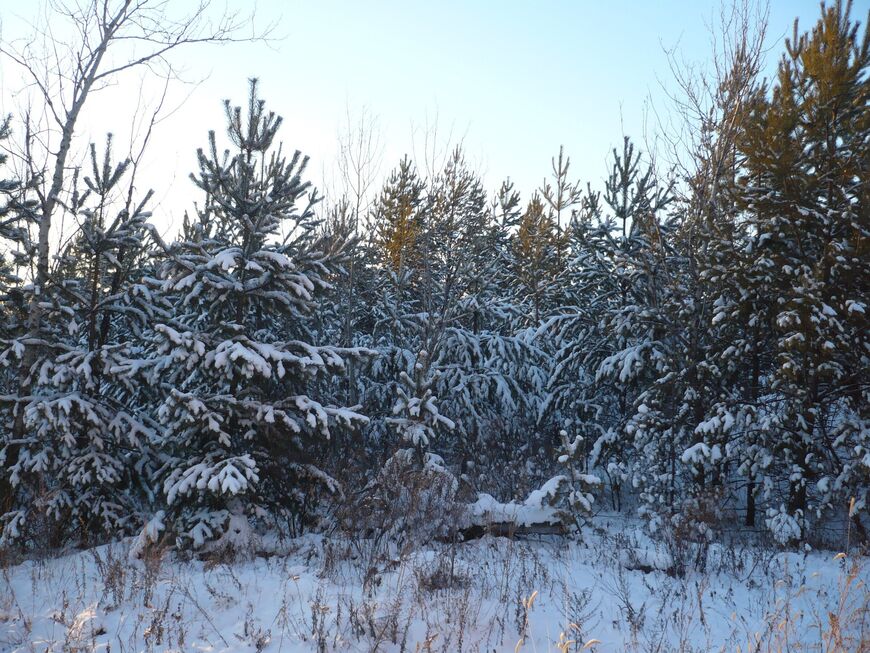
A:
609	592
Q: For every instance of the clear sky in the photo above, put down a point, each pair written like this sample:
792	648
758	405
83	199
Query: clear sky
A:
513	80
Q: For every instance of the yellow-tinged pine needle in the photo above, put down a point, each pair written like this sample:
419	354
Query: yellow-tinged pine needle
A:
591	643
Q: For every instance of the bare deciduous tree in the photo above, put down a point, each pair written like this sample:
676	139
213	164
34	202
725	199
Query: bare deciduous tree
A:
708	104
359	161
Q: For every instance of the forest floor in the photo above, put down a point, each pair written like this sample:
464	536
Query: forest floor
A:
611	590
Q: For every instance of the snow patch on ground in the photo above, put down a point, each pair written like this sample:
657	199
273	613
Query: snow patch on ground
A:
491	594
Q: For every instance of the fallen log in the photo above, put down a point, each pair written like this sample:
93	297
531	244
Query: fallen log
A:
487	516
510	530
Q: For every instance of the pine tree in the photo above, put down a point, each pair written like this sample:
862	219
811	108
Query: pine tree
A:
78	470
574	402
805	150
237	363
538	252
394	267
416	416
398	220
455	302
714	236
560	197
17	213
630	264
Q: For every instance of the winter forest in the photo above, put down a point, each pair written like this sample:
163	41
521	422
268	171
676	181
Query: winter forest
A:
671	369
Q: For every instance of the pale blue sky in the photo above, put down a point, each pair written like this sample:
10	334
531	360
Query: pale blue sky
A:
513	80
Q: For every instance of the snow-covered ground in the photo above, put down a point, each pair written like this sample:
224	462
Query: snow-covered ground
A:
605	593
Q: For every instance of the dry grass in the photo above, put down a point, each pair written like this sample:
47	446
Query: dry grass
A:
490	595
841	626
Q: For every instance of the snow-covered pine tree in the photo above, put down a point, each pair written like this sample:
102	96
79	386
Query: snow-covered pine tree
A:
552	235
413	496
679	455
506	211
238	361
574	332
480	360
576	488
16	252
585	295
539	254
442	256
712	240
606	348
79	468
416	417
344	312
494	361
803	187
636	336
561	196
394	318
